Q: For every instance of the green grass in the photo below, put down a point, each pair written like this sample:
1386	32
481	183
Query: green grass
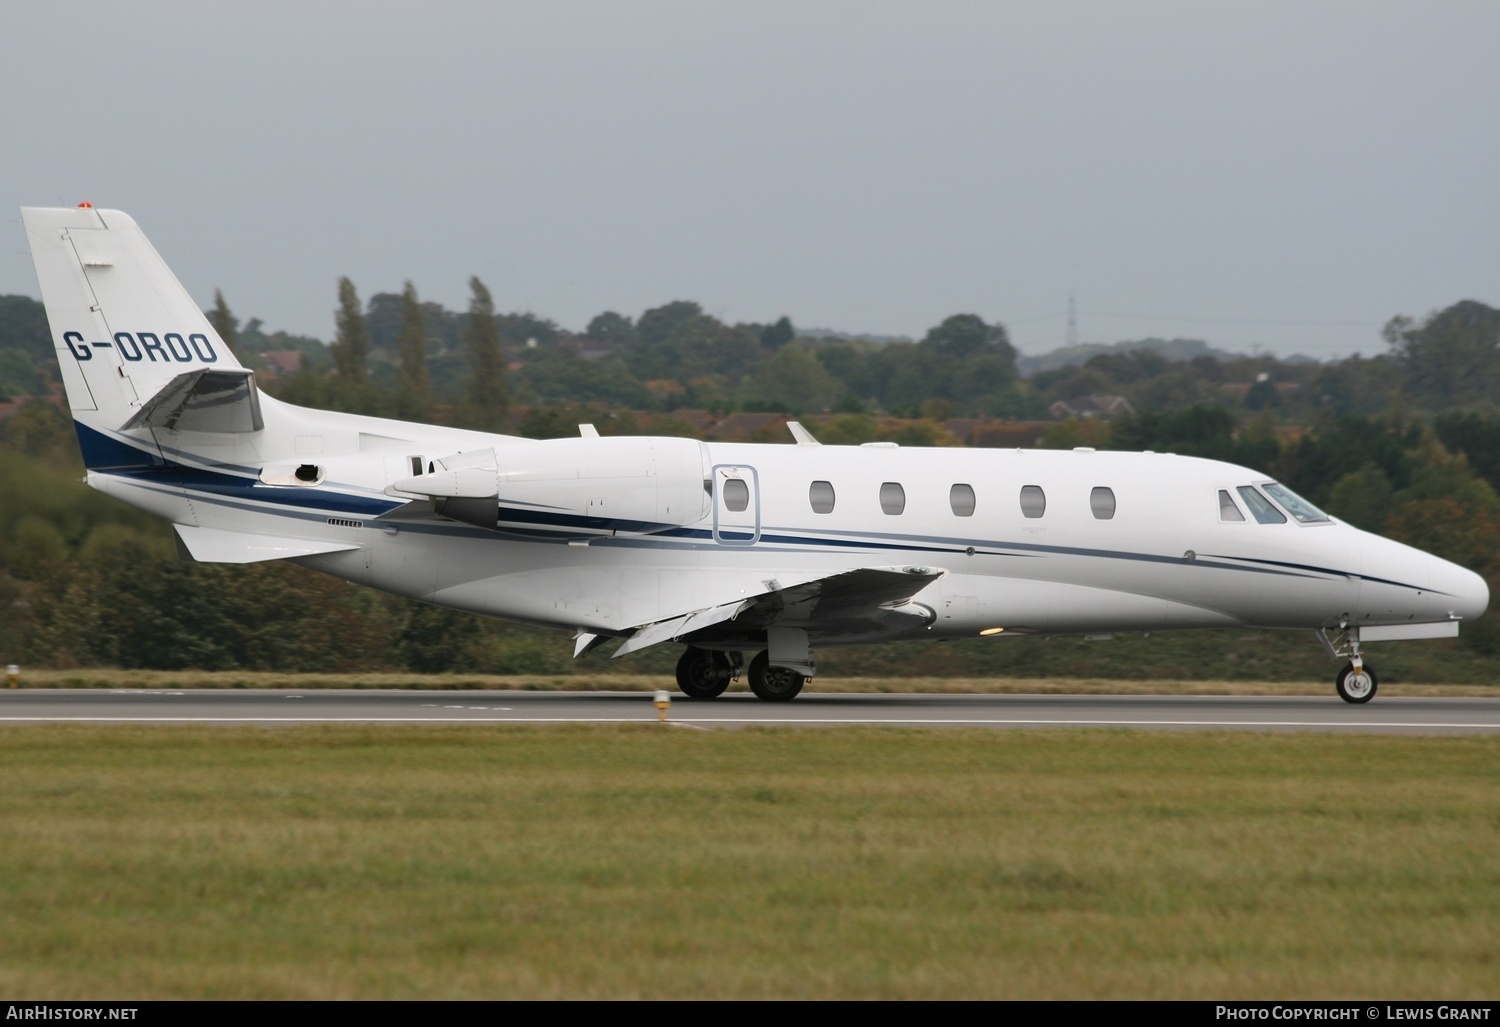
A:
503	861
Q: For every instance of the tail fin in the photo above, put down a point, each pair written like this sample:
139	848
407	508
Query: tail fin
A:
123	325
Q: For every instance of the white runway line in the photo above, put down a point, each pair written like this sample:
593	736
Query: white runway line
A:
788	722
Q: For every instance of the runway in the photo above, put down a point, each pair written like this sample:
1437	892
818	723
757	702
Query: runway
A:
1436	715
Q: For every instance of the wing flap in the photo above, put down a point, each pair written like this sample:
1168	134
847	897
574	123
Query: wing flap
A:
864	589
218	545
833	596
676	627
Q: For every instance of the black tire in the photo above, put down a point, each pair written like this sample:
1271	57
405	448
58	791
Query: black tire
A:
1356	688
774	684
702	674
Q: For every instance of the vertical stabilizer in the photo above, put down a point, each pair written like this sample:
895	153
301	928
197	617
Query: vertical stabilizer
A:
122	324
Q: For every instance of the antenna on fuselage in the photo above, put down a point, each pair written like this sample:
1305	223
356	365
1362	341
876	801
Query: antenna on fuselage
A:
801	434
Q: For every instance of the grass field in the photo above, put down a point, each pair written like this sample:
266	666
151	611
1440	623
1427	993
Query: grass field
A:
503	861
107	678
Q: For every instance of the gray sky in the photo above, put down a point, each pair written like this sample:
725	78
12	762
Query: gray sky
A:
1282	175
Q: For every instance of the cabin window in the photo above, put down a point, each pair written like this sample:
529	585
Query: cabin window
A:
1294	504
1033	501
892	497
1260	507
736	494
961	499
1102	502
820	495
1227	510
416	466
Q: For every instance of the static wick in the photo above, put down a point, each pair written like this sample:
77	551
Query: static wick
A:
663	703
13	674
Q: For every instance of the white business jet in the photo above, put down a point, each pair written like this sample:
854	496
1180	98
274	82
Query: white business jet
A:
729	548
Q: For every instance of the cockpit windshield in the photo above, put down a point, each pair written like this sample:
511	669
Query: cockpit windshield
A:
1260	507
1294	504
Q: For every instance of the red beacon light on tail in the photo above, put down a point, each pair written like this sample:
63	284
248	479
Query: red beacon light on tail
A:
85	205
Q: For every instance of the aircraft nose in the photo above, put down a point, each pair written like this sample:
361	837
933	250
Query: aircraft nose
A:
1459	591
1471	593
1407	583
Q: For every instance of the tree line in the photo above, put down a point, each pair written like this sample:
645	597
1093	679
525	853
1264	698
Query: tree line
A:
1406	443
86	581
399	356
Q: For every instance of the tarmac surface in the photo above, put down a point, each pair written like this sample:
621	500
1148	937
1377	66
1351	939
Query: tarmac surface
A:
1413	715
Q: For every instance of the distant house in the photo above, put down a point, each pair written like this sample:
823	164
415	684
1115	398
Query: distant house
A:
1008	434
962	428
282	363
12	407
1238	391
593	349
744	426
1103	407
700	420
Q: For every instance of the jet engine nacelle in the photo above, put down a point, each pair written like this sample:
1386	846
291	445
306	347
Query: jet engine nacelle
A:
588	486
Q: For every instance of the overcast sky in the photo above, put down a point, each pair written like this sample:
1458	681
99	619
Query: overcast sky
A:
1280	175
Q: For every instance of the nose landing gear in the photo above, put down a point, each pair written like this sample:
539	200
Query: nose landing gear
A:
1356	682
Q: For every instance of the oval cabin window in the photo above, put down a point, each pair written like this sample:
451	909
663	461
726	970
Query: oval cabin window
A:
1102	502
1033	500
820	495
892	497
961	499
736	494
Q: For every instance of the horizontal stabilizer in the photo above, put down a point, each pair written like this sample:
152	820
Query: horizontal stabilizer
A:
206	401
216	545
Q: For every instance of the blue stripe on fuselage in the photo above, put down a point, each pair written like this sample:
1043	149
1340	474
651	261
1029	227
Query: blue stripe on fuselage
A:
104	452
118	457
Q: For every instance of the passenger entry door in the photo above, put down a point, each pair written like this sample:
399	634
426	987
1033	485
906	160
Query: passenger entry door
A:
736	505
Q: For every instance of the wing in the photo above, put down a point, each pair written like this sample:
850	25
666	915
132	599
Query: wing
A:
868	603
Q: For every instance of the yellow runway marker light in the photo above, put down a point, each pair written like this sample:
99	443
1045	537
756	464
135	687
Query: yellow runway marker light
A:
663	703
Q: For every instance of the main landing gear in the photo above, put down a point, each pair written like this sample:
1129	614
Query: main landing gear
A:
1356	682
705	674
774	684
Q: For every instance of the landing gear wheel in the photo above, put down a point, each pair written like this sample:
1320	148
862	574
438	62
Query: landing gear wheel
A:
774	684
1356	686
702	674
